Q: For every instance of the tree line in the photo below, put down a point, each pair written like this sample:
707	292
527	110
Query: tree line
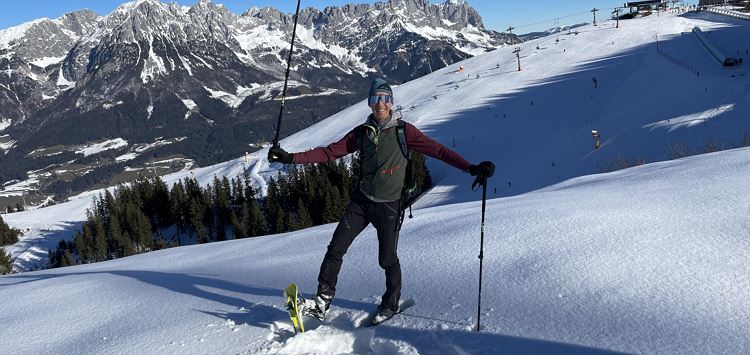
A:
146	215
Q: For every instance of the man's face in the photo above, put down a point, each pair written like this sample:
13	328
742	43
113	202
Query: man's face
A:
381	109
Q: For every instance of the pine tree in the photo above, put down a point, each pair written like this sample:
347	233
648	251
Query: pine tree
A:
272	207
196	221
177	201
222	206
208	214
6	265
331	209
238	195
138	228
239	228
122	244
163	206
63	255
302	218
8	235
83	243
67	259
421	173
258	225
281	224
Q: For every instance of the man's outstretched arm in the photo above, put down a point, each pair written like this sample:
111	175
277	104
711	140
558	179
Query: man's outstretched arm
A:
427	146
346	145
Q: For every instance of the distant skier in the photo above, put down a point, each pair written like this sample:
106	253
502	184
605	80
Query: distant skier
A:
596	82
378	199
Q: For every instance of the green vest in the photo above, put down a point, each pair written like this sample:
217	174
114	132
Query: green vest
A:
383	164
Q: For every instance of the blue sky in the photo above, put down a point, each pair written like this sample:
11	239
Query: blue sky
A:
526	16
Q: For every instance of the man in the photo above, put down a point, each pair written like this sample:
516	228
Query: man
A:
378	200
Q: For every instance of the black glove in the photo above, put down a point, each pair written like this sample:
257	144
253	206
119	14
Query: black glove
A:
279	155
482	171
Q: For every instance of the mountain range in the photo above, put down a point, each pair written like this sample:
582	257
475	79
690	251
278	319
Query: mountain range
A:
163	87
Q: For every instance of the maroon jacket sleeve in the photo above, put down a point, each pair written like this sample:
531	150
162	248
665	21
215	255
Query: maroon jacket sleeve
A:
333	151
425	145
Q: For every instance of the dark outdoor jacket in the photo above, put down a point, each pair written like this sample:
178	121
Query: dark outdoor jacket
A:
416	140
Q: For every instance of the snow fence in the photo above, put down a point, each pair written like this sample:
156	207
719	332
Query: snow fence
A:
732	13
715	52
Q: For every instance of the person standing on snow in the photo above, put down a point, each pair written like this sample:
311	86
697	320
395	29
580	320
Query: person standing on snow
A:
378	199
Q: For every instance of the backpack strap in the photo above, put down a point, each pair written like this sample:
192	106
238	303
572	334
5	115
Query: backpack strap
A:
360	134
401	137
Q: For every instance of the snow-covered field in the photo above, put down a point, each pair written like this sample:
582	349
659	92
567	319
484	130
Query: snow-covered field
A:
652	259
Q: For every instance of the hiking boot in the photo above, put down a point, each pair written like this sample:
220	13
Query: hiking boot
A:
384	314
318	306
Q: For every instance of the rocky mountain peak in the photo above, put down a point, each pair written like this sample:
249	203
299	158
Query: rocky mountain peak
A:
46	41
80	22
198	73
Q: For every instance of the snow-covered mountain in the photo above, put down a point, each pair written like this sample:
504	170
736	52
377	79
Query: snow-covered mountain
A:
203	76
25	52
534	124
651	259
554	30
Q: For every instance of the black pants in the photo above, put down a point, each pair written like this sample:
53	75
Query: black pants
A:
385	217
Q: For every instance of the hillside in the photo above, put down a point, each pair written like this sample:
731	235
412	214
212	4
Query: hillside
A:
651	259
643	104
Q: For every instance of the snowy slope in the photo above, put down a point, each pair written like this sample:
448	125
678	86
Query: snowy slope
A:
652	259
644	103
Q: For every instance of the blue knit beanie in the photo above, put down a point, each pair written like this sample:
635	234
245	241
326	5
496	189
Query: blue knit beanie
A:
380	85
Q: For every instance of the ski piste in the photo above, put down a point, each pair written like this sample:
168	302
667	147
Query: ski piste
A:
291	299
370	320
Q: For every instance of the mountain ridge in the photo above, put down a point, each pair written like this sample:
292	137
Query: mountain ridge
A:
151	70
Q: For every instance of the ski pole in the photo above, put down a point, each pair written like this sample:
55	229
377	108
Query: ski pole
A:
481	251
286	78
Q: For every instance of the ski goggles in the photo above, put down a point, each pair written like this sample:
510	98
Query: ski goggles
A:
374	99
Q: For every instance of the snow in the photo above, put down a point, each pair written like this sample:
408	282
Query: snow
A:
62	81
306	36
191	106
231	100
46	61
96	148
20	188
154	64
691	119
13	33
261	37
126	157
110	105
625	261
5	123
7	144
140	148
651	259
